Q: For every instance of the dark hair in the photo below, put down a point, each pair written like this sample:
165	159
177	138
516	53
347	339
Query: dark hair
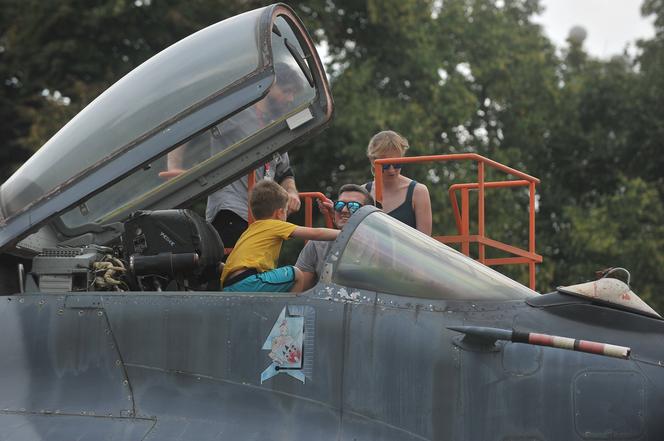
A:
287	77
368	200
266	197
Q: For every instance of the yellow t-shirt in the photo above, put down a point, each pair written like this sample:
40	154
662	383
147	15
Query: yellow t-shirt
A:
258	247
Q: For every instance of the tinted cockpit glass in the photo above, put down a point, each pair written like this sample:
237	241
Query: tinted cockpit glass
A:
385	255
151	95
290	93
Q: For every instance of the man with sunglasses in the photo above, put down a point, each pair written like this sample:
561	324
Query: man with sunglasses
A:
351	198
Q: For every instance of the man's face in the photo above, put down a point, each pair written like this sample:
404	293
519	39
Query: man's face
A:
278	101
341	217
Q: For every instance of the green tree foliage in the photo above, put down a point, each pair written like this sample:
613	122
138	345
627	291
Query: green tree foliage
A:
647	136
604	234
13	122
600	168
58	56
452	76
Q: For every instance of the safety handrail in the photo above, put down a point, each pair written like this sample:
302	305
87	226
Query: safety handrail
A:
462	218
308	197
473	185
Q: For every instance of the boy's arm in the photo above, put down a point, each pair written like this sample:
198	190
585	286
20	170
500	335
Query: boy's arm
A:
314	233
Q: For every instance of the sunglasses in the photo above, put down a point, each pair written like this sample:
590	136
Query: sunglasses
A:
396	166
352	206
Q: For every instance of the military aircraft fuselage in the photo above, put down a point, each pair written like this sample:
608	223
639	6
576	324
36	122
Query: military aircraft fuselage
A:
175	366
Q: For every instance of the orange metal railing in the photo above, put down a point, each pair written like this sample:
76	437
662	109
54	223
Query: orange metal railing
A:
462	217
307	196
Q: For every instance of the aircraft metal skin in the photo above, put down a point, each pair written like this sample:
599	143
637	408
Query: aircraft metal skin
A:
187	366
346	360
182	366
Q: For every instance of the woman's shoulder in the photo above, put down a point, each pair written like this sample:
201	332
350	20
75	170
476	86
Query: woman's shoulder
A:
419	187
420	191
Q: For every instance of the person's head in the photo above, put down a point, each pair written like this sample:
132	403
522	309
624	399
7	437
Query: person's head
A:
288	84
387	144
268	200
350	196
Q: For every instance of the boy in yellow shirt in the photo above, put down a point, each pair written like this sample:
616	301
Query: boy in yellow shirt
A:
251	265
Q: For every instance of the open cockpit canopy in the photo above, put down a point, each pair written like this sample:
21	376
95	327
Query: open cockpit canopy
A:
384	255
190	119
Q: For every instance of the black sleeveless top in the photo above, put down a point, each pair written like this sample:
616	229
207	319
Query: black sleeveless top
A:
403	212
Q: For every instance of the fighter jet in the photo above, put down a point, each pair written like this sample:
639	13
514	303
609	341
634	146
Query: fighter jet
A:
110	328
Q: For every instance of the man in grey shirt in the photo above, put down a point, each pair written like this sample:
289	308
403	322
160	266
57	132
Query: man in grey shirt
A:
312	256
227	209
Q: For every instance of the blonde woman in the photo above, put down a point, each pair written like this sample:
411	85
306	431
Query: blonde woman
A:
403	198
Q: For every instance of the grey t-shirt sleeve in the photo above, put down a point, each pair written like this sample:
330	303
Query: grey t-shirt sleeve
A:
283	169
307	261
312	256
234	196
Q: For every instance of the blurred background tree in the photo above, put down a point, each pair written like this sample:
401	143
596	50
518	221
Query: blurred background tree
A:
452	76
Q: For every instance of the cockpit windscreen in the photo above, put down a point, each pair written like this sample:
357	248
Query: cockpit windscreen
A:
385	255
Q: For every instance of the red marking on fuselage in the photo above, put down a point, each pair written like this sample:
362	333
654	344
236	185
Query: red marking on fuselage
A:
591	346
540	339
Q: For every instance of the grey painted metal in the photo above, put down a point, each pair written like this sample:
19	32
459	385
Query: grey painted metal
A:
192	364
483	333
30	427
59	360
181	366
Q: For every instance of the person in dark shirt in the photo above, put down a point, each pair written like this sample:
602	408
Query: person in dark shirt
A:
403	198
